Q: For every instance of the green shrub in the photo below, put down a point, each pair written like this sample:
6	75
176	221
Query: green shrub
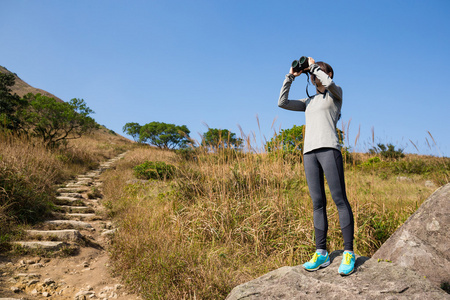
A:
387	151
154	170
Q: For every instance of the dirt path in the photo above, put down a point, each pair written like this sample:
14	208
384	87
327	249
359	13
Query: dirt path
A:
80	230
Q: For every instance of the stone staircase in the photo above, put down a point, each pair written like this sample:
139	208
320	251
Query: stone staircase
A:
77	224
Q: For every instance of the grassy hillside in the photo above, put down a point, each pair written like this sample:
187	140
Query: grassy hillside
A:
22	88
230	217
223	219
30	172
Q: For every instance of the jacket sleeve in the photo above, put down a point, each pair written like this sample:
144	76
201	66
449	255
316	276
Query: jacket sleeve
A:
327	82
284	102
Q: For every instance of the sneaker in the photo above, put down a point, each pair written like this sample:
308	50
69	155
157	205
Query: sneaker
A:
348	264
316	262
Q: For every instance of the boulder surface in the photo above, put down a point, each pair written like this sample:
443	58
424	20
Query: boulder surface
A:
422	243
412	264
373	279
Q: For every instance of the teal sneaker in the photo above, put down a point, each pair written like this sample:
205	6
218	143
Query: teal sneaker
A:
348	264
316	262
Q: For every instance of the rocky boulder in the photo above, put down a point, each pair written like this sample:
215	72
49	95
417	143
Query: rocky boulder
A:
422	243
373	279
412	264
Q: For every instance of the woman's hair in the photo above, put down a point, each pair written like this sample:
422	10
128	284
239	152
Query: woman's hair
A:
326	68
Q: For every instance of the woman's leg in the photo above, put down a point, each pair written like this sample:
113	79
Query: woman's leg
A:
332	165
315	180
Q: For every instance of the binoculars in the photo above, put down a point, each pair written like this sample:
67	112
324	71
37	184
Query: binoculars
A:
301	64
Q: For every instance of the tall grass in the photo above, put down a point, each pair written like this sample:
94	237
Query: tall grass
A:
229	217
30	172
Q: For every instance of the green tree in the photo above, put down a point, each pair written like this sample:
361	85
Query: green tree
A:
221	138
55	121
10	103
165	136
291	140
287	140
132	129
387	151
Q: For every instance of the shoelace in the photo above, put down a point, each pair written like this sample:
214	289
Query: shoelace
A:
314	258
347	258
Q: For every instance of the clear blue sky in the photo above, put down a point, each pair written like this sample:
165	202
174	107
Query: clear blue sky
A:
223	62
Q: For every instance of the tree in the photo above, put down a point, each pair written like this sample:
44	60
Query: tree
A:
291	140
287	140
165	136
132	129
387	151
10	103
54	121
221	138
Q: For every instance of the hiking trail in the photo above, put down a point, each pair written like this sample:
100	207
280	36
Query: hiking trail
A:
71	259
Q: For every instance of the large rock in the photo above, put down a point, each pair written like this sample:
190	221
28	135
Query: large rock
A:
422	243
373	279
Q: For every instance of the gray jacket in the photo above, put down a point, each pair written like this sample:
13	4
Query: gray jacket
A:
322	111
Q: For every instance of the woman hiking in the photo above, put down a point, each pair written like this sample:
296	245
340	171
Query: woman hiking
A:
322	157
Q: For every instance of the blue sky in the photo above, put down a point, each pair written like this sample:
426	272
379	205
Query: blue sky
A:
222	63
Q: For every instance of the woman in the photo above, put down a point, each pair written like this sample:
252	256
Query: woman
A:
322	156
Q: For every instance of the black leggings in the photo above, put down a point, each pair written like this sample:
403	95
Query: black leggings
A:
328	161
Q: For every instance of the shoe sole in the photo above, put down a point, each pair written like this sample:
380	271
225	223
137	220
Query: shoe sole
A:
351	272
325	264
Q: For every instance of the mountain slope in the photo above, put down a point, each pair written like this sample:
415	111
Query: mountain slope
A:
22	88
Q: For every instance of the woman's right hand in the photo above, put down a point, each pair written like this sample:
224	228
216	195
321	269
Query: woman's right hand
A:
291	71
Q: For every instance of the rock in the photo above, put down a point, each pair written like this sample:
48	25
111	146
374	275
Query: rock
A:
72	189
422	242
62	200
109	233
34	281
404	179
75	224
48	281
76	209
71	195
82	295
15	289
371	280
430	184
50	246
60	235
81	216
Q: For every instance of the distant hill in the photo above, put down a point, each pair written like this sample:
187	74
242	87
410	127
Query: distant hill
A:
22	88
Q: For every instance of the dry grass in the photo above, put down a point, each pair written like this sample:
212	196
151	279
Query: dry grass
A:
230	217
29	173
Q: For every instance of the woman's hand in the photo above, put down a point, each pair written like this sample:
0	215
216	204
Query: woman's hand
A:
310	62
291	71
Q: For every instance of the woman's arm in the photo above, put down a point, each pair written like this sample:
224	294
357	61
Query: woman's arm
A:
284	102
326	81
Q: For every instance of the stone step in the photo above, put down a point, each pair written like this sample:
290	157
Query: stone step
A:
71	195
44	245
83	180
76	209
70	224
61	200
88	176
78	184
78	189
56	235
83	217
